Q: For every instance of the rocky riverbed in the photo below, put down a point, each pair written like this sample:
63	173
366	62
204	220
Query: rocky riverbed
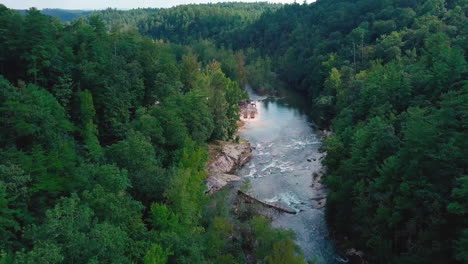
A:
225	158
286	171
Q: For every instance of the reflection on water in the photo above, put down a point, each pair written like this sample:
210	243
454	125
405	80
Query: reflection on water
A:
285	139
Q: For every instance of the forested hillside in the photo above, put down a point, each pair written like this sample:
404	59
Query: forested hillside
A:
103	148
209	29
391	78
216	22
185	24
63	14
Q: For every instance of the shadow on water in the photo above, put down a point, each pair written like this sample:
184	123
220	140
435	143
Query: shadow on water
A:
297	102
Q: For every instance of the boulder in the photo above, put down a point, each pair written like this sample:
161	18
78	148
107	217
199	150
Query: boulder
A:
225	158
217	181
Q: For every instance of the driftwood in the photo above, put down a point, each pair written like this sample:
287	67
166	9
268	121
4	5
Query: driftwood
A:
318	198
253	199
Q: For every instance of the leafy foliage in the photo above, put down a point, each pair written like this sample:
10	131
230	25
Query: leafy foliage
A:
390	79
103	140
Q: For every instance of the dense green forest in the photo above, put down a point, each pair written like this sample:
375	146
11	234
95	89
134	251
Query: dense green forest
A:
104	132
390	77
216	22
103	139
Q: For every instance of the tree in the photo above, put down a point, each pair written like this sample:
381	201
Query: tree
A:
190	72
157	255
185	193
14	197
137	155
34	117
388	47
88	127
38	51
284	252
48	253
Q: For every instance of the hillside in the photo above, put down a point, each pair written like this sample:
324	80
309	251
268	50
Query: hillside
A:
63	14
103	148
390	78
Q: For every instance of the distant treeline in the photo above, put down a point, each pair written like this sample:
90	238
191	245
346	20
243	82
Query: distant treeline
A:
64	15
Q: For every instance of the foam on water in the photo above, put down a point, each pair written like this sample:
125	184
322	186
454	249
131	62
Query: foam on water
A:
288	198
286	167
252	173
285	156
270	165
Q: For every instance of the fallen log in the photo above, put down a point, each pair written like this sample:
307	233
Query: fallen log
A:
318	198
278	208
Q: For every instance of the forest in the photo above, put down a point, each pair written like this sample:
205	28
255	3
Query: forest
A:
390	78
105	121
103	148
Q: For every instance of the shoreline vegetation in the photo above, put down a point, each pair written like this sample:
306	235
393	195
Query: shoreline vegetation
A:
225	157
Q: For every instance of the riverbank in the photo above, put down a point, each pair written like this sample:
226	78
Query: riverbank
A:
225	158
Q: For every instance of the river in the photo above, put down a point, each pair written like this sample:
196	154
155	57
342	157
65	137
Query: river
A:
281	171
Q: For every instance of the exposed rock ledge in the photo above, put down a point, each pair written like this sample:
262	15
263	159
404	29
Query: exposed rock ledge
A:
320	190
225	158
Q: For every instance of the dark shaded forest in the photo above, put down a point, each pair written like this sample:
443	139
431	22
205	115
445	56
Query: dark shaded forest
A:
105	121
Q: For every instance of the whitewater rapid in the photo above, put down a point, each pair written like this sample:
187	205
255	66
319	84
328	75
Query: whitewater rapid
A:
285	157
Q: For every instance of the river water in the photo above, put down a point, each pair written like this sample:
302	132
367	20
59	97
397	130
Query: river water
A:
281	171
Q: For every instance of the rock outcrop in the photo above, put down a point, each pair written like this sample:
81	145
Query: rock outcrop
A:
324	134
218	180
225	158
319	188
